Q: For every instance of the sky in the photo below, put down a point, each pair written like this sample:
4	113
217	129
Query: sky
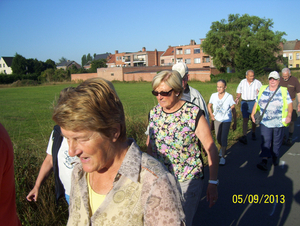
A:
52	29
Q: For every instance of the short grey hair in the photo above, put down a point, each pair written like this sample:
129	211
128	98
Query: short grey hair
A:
171	78
250	71
286	70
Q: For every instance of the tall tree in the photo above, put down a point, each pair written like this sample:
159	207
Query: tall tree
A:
83	60
226	41
19	65
89	57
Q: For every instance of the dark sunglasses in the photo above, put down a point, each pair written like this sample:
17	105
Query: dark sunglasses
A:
162	93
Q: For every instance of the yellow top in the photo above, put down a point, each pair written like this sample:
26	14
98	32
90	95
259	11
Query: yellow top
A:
95	199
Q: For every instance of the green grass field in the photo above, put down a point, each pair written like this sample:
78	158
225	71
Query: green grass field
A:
26	114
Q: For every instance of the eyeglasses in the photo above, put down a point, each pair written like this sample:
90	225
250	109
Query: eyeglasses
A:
273	79
162	93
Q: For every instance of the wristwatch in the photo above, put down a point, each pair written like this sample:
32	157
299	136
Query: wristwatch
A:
216	182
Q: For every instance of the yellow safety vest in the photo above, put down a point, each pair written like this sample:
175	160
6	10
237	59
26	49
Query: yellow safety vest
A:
285	104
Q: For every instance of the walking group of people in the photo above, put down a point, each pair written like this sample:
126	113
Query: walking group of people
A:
107	180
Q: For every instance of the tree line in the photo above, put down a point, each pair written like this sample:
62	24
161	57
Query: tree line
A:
33	71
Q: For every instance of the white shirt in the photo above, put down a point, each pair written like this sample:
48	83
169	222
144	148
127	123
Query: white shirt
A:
222	107
65	167
249	91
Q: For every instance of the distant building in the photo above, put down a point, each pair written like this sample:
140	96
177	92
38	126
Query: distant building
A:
67	64
136	59
291	50
192	55
5	65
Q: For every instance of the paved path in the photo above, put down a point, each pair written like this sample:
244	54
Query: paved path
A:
240	176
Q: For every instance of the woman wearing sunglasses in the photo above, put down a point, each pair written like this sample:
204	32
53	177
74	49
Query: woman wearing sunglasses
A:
175	129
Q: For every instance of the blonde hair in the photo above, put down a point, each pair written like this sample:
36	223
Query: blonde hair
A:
94	106
171	78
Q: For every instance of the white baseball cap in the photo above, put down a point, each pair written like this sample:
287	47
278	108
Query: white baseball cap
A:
181	68
274	74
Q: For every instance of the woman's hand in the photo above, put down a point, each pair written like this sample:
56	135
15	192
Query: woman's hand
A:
212	194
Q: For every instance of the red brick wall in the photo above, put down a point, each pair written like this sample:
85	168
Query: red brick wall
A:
142	73
83	77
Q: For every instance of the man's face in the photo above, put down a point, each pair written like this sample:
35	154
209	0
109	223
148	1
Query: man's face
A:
285	76
250	76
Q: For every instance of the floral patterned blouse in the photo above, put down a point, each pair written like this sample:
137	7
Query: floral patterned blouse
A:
174	142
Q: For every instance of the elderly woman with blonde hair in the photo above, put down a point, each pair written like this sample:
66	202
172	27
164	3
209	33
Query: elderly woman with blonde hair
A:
114	183
176	128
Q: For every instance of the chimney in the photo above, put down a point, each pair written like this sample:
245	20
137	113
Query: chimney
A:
116	51
193	42
144	49
155	57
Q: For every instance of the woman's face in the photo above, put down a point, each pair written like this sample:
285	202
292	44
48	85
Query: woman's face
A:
221	87
166	101
94	150
273	83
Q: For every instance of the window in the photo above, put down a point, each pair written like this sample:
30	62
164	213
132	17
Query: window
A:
162	61
187	51
290	56
297	56
197	60
196	50
290	66
297	65
179	60
112	74
206	60
0	65
284	55
179	51
3	65
188	61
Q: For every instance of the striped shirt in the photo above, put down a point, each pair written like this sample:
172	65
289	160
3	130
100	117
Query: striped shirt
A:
249	91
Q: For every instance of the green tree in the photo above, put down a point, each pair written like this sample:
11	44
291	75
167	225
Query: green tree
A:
19	65
97	64
50	64
89	57
63	59
226	41
83	60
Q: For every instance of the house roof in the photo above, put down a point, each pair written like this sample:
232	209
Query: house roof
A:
112	59
169	51
289	45
8	60
297	46
101	56
65	63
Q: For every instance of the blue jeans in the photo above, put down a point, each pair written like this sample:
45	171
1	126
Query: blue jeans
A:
271	140
246	108
191	193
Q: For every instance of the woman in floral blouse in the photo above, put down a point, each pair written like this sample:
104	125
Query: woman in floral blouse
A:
175	129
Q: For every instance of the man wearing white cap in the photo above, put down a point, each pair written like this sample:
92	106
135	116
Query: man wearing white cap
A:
189	93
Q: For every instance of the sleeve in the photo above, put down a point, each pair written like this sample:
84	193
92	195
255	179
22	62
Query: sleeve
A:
163	205
50	143
231	101
239	88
